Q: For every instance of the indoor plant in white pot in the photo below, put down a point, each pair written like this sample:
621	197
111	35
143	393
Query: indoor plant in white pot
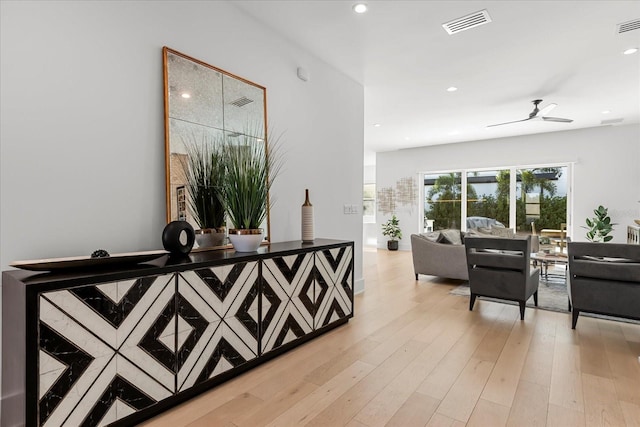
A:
251	165
204	174
392	230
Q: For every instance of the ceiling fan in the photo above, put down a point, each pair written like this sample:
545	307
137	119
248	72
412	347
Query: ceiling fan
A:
538	114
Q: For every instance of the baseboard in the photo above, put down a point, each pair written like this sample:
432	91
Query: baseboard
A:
358	286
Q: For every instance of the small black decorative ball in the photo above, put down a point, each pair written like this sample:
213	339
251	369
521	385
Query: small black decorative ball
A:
178	237
100	253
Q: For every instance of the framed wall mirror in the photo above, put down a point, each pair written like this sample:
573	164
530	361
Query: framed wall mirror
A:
203	106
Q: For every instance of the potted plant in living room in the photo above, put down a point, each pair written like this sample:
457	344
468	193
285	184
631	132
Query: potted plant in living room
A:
204	169
599	226
392	230
251	167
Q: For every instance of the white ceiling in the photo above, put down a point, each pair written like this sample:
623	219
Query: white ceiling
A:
565	52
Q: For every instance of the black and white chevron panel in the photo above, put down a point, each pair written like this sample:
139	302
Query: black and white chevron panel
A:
217	312
93	368
105	351
287	299
334	285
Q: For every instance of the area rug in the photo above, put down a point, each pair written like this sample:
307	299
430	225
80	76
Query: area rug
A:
552	295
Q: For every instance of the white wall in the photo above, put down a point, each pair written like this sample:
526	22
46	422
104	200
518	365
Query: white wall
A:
369	229
606	170
82	136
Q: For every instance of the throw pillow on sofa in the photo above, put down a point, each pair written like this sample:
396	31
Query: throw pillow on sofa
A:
451	236
480	233
507	233
433	236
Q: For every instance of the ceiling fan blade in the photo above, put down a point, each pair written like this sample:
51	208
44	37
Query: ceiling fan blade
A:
508	123
546	110
557	119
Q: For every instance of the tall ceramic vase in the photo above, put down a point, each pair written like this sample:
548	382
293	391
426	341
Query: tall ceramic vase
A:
307	219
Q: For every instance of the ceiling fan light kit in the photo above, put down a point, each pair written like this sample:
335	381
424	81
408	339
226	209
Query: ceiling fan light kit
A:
538	114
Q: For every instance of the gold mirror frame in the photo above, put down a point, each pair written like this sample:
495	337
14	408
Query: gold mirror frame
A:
201	100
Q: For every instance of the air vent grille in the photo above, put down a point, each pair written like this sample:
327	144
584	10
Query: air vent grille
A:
467	22
611	121
241	102
628	26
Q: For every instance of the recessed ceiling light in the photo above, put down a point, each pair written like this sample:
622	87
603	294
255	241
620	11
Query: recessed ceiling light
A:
185	95
406	138
454	132
606	112
452	89
630	51
360	7
377	125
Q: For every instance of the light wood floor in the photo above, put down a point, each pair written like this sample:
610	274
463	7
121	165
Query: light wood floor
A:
414	355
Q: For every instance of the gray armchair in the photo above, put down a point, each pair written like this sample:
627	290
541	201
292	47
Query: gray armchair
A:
501	268
604	278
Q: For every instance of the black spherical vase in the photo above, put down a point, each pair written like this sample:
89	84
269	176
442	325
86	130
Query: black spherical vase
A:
392	245
178	237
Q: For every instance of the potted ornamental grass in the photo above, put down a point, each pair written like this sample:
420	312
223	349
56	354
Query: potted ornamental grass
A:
204	170
392	230
251	166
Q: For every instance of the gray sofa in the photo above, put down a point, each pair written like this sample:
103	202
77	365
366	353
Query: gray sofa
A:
436	256
438	259
604	278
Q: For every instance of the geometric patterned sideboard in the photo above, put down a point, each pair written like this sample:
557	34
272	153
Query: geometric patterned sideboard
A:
122	346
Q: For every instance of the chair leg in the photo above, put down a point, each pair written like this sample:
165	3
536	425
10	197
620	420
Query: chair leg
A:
569	304
574	317
472	300
535	298
522	305
416	276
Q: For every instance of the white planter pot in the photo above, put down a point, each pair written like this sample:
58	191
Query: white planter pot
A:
246	240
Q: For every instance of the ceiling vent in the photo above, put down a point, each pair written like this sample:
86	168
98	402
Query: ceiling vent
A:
241	102
467	22
611	121
628	26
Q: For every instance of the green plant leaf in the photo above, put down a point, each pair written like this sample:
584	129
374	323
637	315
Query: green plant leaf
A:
251	167
203	172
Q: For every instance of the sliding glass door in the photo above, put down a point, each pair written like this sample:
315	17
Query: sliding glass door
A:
541	198
442	201
520	198
488	198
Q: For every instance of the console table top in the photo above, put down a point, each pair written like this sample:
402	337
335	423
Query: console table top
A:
169	264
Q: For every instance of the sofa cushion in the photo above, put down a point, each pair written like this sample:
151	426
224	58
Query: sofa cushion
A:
507	233
433	236
479	232
451	236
